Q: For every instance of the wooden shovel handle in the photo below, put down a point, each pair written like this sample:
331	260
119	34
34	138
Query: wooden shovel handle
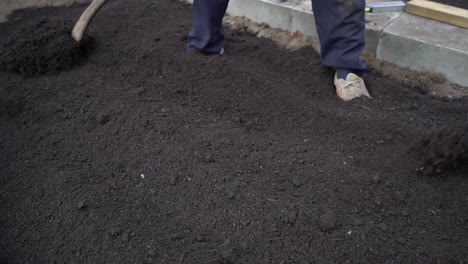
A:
85	19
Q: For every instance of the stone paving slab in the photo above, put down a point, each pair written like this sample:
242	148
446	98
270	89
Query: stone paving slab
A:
423	44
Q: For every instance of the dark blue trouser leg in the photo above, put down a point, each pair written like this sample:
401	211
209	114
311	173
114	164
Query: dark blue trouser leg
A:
341	30
207	33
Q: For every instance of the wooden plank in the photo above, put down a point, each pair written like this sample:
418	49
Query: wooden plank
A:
440	12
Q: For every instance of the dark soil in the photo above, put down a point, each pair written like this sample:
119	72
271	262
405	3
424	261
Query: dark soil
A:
41	46
147	154
456	3
443	148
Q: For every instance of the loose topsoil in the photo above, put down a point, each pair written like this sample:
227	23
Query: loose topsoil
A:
456	3
147	154
41	46
443	148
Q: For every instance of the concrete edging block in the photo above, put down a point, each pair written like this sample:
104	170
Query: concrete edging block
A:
426	45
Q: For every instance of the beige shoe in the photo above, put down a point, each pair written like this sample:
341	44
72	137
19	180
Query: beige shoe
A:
221	52
350	88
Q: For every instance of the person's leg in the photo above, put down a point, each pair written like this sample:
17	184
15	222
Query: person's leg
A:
341	31
207	33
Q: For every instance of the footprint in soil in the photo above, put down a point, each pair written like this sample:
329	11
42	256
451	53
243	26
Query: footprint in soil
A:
103	118
229	254
10	106
327	221
81	205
